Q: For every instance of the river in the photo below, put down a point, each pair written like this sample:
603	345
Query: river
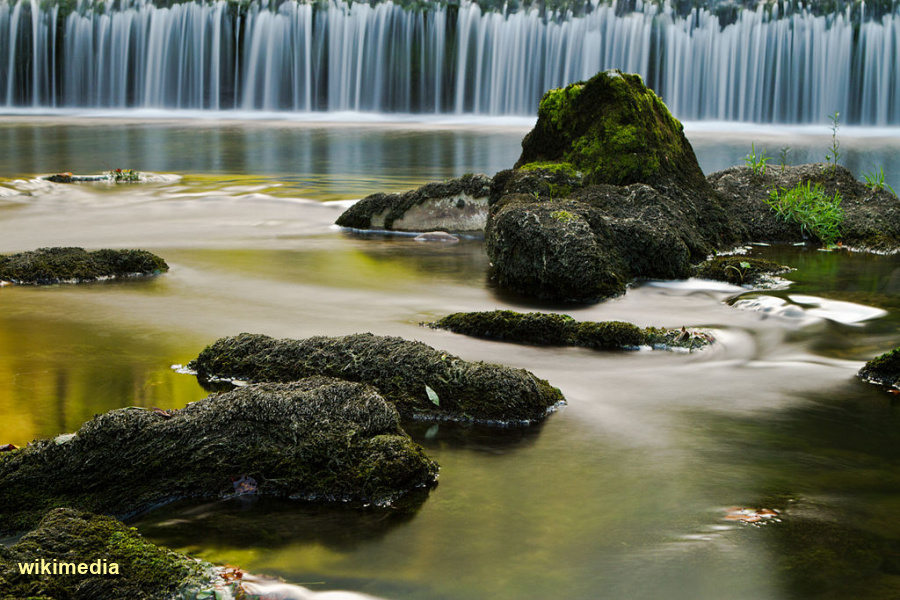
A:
623	493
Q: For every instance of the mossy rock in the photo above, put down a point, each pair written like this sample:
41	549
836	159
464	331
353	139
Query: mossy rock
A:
70	537
402	371
615	130
318	439
542	181
452	205
883	369
550	329
55	265
871	217
739	270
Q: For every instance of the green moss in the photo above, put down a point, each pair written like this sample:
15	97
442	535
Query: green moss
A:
550	329
738	270
883	369
64	535
398	368
55	265
615	130
563	215
314	439
552	167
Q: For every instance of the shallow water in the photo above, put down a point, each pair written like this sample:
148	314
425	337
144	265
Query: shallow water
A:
621	494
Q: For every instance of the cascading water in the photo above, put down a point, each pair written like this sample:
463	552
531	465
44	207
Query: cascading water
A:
762	67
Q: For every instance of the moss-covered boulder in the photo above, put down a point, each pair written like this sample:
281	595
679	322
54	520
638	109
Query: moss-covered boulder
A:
420	381
610	162
871	217
615	130
317	439
550	329
77	265
883	369
452	205
739	270
118	563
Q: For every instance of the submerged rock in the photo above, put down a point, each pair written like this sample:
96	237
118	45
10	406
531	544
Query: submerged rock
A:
420	381
56	265
452	205
871	217
739	270
607	189
550	329
118	563
316	439
883	369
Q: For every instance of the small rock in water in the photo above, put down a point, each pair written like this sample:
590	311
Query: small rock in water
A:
436	236
244	485
754	516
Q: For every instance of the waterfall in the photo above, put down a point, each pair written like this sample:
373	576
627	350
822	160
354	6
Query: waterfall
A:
333	56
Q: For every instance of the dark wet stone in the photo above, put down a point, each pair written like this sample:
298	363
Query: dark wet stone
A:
318	439
56	265
401	370
69	537
551	329
871	217
883	369
739	270
452	205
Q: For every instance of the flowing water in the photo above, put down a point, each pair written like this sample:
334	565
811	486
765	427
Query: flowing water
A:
780	62
623	493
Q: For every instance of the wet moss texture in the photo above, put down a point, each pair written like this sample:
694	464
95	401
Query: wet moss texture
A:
318	439
551	329
883	369
739	270
146	571
55	265
401	370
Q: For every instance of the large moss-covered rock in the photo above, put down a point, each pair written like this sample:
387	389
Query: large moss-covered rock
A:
607	156
119	563
316	439
871	216
420	381
615	130
76	265
452	205
550	329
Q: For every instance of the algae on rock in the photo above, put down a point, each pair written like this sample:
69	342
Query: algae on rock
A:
67	537
739	270
317	439
401	370
550	329
607	154
55	265
883	369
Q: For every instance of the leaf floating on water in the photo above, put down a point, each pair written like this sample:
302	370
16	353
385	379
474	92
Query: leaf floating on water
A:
244	485
432	395
8	447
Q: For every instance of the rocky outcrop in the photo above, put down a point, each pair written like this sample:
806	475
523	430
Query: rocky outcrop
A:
883	370
77	265
318	439
420	381
607	189
739	270
115	561
550	329
871	217
452	205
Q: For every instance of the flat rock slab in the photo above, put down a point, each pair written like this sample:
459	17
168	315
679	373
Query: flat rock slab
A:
46	266
118	563
319	439
551	329
453	205
420	381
